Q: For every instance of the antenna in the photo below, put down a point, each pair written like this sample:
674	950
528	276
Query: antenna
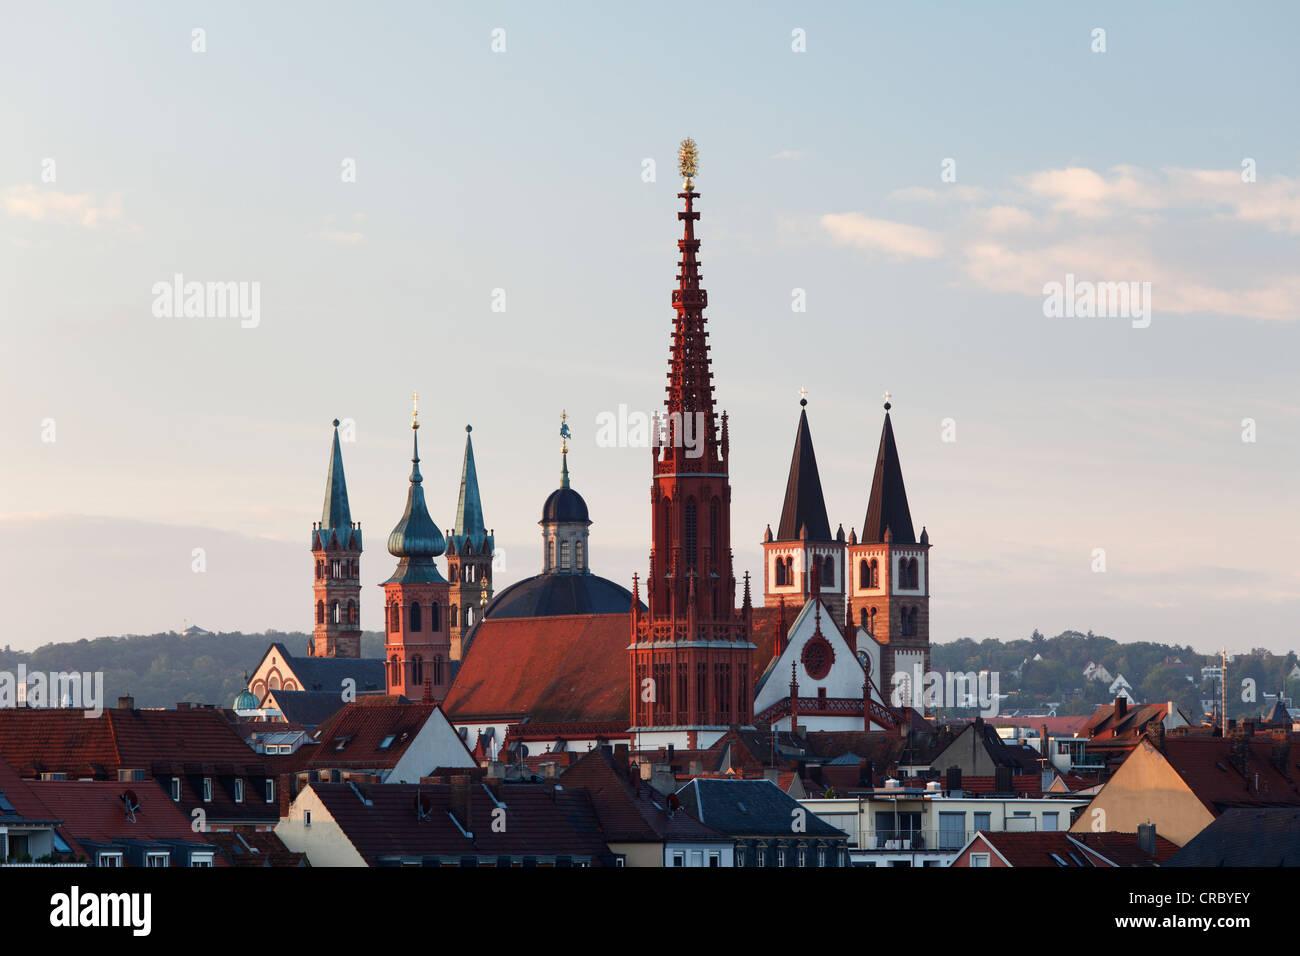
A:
1223	691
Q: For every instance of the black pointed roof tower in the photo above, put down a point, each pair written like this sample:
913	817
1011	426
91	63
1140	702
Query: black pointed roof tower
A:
887	508
805	506
336	526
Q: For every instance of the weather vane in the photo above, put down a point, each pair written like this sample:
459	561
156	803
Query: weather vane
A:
688	159
415	409
887	398
565	433
803	395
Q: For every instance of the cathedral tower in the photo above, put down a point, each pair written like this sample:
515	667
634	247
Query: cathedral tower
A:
889	570
336	548
690	657
470	548
417	646
803	537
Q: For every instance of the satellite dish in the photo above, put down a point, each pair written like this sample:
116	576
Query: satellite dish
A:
423	806
132	804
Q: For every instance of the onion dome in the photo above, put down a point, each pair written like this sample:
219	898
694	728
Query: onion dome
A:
564	504
416	539
246	700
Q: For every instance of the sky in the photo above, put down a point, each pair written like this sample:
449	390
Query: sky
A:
477	201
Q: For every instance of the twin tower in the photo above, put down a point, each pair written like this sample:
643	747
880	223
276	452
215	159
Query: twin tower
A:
425	615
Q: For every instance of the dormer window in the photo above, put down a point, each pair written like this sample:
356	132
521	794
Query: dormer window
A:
239	790
207	789
176	789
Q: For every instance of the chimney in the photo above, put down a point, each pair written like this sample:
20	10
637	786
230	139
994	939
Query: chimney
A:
126	703
1239	752
282	791
1002	780
1121	706
1147	838
460	802
1157	734
621	758
954	779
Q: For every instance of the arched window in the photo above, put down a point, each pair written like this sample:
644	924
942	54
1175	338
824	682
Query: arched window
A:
416	623
334	612
864	574
469	615
715	524
873	574
564	555
789	570
437	668
577	559
320	612
352	612
550	555
394	617
417	669
828	573
394	671
320	570
435	620
453	615
780	572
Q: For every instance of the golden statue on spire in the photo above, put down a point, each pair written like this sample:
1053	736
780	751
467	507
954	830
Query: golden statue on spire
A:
688	158
415	409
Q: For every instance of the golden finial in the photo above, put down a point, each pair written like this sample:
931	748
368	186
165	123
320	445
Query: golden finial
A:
688	158
565	433
482	595
415	409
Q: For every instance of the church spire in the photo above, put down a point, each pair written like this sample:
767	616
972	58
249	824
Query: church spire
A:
335	514
887	510
805	506
691	435
469	528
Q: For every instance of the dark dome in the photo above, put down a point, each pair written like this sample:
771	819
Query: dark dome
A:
565	504
549	595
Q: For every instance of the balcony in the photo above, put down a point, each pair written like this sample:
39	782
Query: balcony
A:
930	841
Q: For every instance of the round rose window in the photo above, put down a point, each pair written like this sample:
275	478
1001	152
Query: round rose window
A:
818	657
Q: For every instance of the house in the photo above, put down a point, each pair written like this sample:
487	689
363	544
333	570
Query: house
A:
1096	672
1120	687
1254	836
281	670
1068	850
117	824
978	750
389	737
925	822
768	826
28	828
1115	729
1181	783
641	826
305	708
462	822
193	752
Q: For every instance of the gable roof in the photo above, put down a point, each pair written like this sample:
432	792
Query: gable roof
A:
552	669
805	506
370	733
1105	726
1245	837
1233	772
628	809
750	808
1122	849
18	802
887	507
1021	759
307	708
381	821
1052	848
329	673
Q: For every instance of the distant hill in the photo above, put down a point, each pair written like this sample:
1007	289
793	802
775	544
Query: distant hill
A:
160	670
1157	672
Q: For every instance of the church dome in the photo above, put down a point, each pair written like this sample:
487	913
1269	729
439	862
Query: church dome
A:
564	504
246	700
551	595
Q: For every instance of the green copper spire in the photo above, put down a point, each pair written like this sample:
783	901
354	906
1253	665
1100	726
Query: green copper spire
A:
470	527
336	517
416	540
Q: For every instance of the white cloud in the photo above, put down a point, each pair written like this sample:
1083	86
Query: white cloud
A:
895	239
50	205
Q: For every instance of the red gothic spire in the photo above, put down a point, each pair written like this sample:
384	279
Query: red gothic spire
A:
691	429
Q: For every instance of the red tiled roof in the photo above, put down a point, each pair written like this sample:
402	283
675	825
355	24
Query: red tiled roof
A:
1122	848
628	809
361	727
1036	848
255	849
566	668
93	811
1056	726
1103	727
18	791
1207	766
540	821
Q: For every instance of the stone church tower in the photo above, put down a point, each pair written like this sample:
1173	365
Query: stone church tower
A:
336	550
889	571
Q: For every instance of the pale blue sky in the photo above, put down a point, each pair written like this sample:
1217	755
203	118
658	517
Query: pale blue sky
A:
522	170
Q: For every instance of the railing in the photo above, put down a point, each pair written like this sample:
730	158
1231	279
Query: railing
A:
933	841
